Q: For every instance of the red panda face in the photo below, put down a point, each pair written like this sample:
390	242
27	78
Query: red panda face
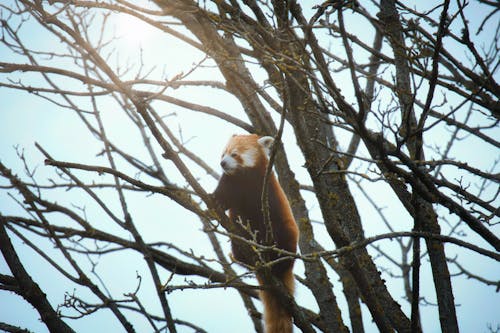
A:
245	152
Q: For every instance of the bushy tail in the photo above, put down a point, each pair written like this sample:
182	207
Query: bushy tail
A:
276	318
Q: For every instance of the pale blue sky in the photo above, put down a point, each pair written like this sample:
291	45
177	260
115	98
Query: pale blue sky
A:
26	119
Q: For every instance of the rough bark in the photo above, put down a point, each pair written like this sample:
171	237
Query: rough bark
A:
424	216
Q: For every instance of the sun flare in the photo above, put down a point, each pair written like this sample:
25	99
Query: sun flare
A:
132	30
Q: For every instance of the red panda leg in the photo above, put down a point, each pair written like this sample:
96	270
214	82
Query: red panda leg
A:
276	318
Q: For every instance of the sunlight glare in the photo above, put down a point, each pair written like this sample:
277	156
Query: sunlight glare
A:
132	30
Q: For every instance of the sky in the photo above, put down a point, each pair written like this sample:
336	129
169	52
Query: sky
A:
26	119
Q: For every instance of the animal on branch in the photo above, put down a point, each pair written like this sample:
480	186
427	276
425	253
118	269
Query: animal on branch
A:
244	162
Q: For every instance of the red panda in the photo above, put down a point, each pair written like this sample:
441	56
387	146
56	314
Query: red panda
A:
244	162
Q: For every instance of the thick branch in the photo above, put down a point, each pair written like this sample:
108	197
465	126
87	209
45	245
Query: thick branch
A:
28	288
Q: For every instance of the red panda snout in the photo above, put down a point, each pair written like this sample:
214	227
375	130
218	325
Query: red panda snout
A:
229	164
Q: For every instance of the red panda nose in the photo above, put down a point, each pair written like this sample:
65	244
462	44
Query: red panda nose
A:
223	164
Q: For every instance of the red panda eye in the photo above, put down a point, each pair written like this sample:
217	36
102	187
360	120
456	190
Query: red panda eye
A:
234	155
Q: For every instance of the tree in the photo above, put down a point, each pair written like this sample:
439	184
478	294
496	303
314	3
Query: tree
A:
392	107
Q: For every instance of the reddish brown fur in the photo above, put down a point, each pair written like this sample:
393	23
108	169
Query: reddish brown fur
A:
241	194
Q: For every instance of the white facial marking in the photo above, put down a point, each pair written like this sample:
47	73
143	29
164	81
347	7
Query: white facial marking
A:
249	158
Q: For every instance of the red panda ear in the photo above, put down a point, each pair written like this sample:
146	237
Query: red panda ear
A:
266	142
